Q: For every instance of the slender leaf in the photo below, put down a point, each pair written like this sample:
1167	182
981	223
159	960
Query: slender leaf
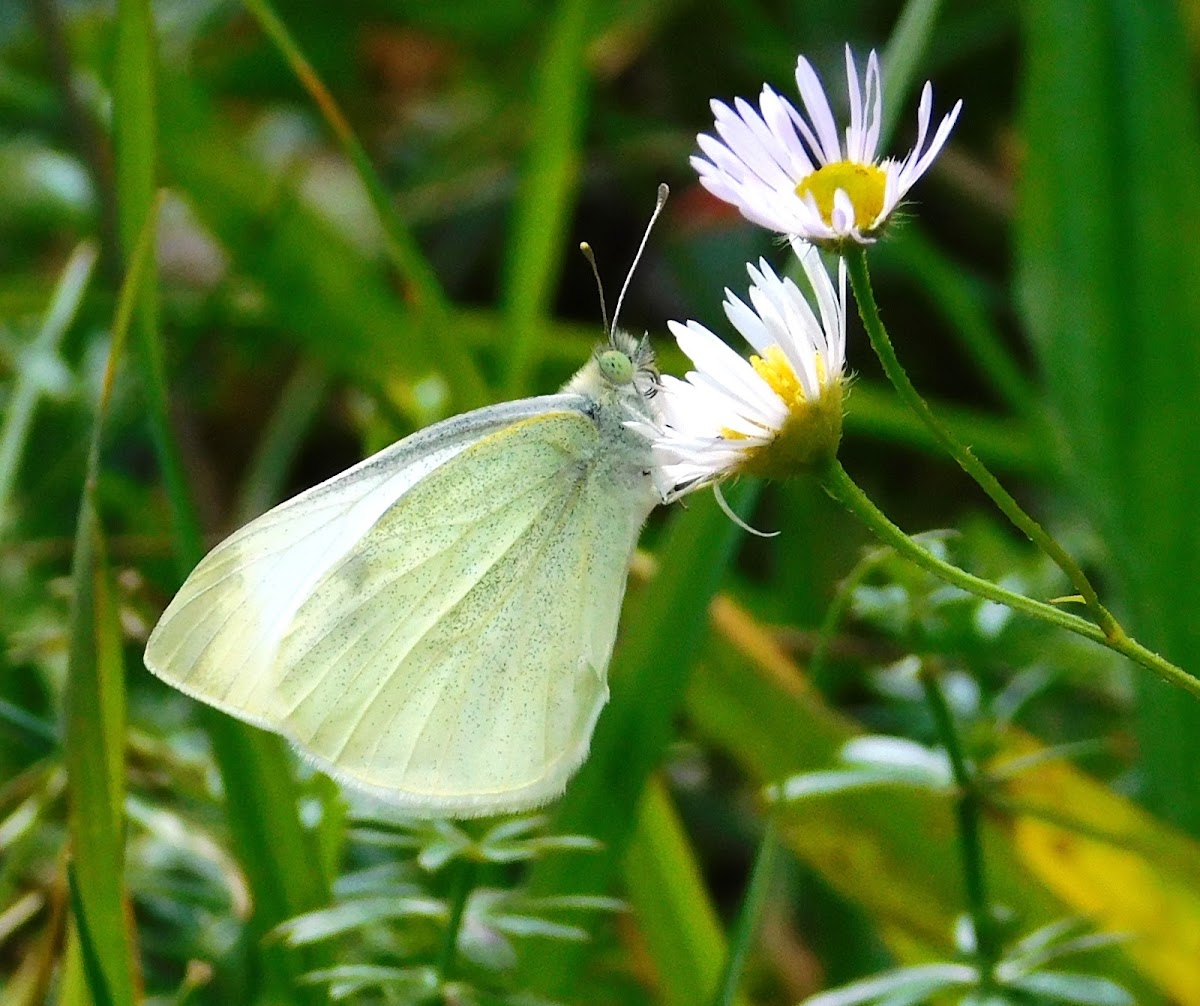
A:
663	631
1110	195
38	373
136	149
313	927
807	785
673	909
897	754
925	979
92	952
1067	988
536	247
741	936
94	707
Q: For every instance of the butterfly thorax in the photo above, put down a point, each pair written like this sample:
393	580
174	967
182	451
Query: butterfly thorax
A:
621	372
620	381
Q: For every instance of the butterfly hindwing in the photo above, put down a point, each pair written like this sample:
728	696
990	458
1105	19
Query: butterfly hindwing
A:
455	657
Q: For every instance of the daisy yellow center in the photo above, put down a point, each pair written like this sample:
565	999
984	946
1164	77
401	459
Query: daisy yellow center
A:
863	183
812	429
774	368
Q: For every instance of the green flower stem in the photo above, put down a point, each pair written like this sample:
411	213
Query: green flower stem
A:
460	892
970	837
868	309
837	482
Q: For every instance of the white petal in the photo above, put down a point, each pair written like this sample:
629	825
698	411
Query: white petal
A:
780	116
855	131
874	109
935	145
817	106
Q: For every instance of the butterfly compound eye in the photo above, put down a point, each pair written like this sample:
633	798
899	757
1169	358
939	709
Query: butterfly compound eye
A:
616	366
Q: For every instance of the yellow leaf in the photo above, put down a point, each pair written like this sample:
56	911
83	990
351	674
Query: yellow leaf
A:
1118	865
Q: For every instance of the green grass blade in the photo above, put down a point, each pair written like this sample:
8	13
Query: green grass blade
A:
91	950
1109	203
272	846
423	289
662	633
94	736
541	216
29	386
672	906
94	708
135	147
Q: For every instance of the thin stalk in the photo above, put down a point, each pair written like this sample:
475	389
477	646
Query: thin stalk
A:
838	483
970	837
868	309
1015	807
836	612
30	383
463	882
744	928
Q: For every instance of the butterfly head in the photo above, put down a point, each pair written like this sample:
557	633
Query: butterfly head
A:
627	360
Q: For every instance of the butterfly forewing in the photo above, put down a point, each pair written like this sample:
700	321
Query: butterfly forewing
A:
218	638
438	638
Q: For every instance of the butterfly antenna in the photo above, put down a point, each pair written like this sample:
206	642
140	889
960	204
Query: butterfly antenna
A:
586	249
663	192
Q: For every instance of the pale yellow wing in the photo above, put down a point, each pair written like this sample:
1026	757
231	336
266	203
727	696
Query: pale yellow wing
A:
454	661
433	630
217	640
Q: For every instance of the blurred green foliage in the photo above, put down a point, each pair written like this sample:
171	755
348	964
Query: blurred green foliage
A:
369	222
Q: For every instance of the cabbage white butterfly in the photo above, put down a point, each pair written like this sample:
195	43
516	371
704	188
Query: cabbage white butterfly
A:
434	625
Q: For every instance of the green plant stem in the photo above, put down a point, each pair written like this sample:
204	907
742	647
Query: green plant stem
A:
31	378
748	917
970	838
838	483
868	309
462	884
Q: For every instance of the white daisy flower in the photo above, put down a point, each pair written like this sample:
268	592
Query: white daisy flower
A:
774	414
792	174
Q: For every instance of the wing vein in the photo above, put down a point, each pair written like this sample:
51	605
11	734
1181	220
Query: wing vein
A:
559	522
